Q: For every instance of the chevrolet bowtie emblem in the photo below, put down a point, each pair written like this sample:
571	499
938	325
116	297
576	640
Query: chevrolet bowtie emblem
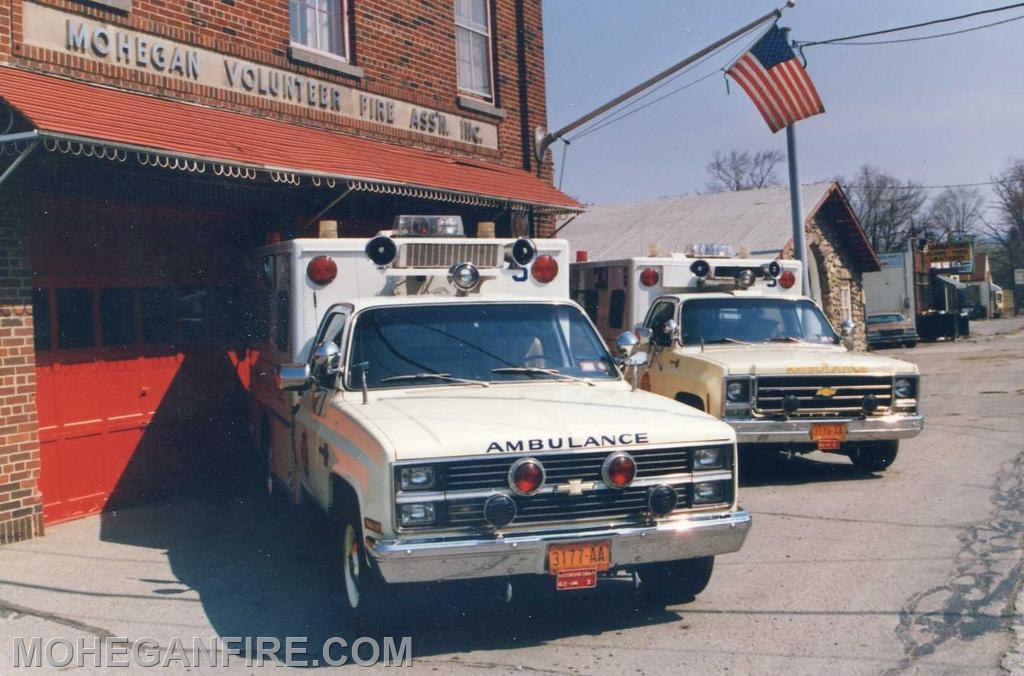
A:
575	487
825	392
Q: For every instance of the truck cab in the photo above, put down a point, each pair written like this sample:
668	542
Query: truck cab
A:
458	417
734	337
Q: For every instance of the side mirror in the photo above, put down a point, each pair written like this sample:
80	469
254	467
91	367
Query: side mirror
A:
626	343
846	334
643	334
635	360
326	359
669	328
293	377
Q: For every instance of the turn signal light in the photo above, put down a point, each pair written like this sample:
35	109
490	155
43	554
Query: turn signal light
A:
649	277
787	279
545	269
322	270
526	476
619	470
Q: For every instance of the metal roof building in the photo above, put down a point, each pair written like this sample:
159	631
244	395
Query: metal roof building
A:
755	220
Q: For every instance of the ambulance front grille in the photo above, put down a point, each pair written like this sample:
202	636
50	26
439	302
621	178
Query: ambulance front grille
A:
822	395
624	505
436	255
492	472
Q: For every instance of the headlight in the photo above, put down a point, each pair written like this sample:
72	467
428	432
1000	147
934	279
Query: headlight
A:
904	388
708	491
738	391
416	478
708	458
417	514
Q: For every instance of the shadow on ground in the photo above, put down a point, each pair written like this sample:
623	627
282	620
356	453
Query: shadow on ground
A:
263	568
769	468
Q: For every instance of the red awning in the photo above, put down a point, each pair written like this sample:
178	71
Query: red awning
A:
60	108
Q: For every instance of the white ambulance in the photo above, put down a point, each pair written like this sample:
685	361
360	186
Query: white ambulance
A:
458	417
735	337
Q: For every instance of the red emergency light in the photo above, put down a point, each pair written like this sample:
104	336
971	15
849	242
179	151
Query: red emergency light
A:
322	270
545	269
787	279
649	277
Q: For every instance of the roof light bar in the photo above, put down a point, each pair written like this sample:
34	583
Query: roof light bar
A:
428	226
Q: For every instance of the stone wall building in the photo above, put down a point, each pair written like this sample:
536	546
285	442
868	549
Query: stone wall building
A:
147	147
755	222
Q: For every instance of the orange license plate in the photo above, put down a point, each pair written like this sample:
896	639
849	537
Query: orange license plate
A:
828	435
579	556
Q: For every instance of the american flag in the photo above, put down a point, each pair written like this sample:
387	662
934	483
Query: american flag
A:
775	81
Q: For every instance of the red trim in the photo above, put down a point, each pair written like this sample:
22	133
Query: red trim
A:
65	106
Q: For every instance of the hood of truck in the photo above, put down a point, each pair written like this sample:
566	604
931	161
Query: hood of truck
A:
438	422
793	359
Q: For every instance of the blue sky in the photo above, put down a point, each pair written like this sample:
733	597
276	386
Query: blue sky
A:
941	111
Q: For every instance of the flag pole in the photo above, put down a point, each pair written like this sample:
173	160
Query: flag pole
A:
543	138
795	202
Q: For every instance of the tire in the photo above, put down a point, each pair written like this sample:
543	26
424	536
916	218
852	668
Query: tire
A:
874	457
910	344
674	582
361	586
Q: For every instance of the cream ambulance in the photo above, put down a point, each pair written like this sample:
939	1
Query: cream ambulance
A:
458	417
735	337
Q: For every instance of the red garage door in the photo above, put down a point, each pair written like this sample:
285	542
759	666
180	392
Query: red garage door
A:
140	379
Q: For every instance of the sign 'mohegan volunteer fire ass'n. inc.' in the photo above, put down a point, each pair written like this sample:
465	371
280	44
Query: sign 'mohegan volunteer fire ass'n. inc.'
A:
68	33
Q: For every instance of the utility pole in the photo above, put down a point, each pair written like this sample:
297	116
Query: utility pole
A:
544	139
796	203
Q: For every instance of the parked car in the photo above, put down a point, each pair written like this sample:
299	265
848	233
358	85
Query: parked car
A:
891	330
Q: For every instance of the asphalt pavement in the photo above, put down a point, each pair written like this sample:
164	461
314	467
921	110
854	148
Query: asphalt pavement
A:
914	570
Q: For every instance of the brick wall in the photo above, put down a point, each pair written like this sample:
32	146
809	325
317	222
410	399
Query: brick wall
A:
406	49
21	514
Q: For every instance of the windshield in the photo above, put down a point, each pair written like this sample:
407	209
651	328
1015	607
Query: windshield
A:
402	346
754	320
884	319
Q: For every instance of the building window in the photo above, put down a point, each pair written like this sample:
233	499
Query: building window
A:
473	47
319	24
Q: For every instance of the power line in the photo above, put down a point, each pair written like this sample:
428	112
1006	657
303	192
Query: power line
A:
626	112
922	187
911	26
623	116
925	37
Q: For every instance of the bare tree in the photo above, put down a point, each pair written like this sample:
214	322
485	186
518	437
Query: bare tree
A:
890	211
739	170
956	212
1008	187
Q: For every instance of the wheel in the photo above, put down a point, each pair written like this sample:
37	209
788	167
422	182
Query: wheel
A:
910	343
874	457
361	585
674	582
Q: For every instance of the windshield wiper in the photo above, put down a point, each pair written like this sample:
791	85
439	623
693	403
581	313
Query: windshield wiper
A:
447	377
786	339
532	370
726	340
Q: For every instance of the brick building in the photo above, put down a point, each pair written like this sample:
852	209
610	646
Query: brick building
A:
147	146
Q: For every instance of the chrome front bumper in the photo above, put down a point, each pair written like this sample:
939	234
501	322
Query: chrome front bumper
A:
857	429
685	537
